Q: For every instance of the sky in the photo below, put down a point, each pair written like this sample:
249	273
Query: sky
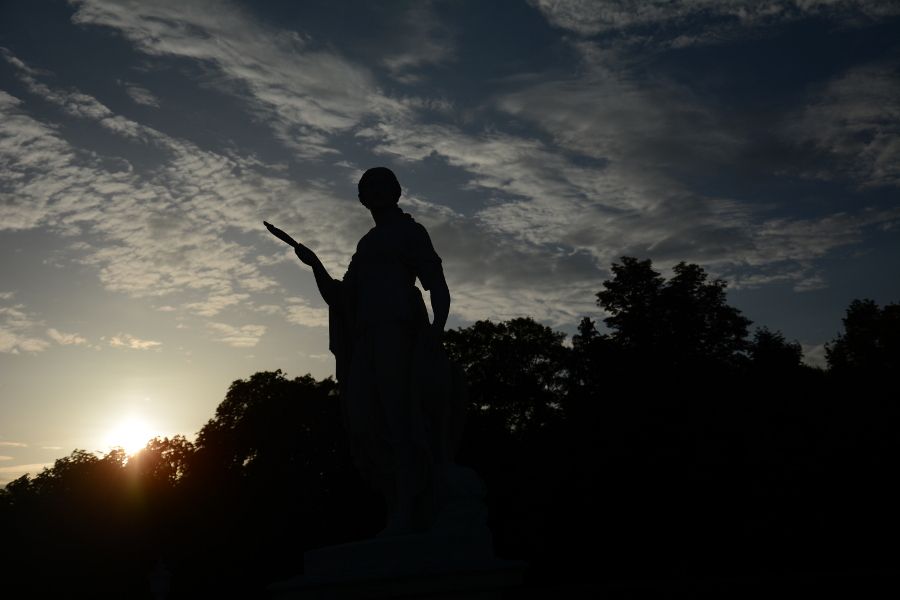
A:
142	144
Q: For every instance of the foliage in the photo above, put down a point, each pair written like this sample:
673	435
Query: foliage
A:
516	370
870	343
771	352
670	426
683	321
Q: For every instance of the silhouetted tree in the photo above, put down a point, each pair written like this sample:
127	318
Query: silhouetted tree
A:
767	468
770	352
271	471
515	369
163	460
870	342
631	298
683	321
594	365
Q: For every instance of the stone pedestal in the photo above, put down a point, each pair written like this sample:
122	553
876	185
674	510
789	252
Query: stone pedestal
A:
430	565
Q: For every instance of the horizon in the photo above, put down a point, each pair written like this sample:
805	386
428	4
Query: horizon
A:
144	144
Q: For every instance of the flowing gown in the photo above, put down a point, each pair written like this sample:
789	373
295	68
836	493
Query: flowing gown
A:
402	400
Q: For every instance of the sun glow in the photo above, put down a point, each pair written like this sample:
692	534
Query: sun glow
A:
130	434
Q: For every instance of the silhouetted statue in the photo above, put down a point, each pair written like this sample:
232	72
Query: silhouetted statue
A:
402	400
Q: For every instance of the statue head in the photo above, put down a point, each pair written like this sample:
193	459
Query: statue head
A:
378	188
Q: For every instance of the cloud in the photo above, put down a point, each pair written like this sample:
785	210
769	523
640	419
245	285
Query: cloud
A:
162	232
301	91
425	41
13	444
214	304
854	123
299	312
784	239
3	458
51	447
18	330
165	233
66	339
635	123
589	174
687	22
10	473
126	340
608	183
814	355
811	284
141	95
245	336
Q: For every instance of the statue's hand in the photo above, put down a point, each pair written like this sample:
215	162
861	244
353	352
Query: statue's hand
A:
306	256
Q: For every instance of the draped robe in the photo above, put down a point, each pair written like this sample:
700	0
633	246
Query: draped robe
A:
402	400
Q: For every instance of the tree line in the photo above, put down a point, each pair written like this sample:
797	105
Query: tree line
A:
675	444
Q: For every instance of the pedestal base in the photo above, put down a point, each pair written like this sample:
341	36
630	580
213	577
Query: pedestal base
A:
411	566
486	584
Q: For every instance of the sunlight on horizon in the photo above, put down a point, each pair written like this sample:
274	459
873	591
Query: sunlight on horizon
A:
131	434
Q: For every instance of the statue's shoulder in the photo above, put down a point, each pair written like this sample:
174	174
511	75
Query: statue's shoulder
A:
412	226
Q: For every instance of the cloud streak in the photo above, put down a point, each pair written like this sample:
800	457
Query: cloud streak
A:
854	122
301	91
126	340
162	232
688	22
594	165
244	336
66	339
141	95
18	330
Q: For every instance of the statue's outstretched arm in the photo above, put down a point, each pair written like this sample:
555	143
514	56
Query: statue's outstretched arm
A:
325	282
327	285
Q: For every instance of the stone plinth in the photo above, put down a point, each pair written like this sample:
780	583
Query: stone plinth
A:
411	566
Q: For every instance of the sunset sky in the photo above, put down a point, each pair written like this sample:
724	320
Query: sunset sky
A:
143	143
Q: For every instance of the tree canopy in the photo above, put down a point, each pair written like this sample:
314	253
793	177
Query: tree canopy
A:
685	320
870	343
766	464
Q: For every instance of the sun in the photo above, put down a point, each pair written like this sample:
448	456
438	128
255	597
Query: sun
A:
130	434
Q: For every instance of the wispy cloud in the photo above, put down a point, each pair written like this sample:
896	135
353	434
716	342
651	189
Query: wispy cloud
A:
213	305
126	340
588	173
689	22
854	122
245	336
13	444
66	339
300	90
164	232
300	312
814	355
3	458
425	41
19	329
141	95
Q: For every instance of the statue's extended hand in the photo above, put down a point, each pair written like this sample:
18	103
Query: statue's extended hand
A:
306	256
280	234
